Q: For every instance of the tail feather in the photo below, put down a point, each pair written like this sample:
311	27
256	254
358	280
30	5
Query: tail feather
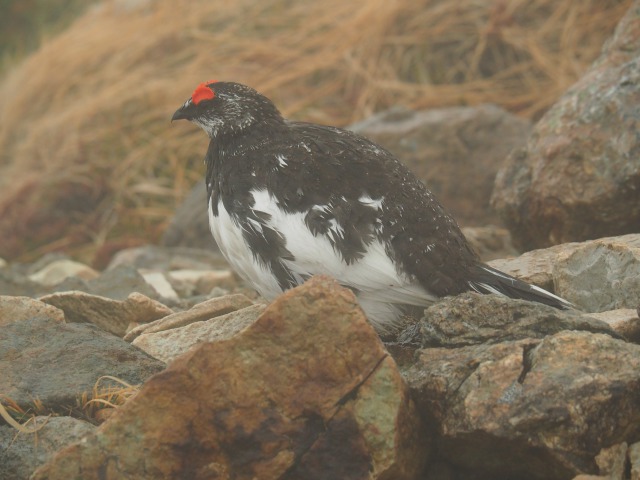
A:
490	280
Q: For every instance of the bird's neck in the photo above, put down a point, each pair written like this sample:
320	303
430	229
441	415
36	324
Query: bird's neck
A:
228	151
236	143
250	136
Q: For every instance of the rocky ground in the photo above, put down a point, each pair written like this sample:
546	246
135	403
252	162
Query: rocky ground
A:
219	385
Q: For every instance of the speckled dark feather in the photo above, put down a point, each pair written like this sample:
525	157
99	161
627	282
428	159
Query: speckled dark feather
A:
304	166
339	168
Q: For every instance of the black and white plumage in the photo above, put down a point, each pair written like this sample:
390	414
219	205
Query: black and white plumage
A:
288	200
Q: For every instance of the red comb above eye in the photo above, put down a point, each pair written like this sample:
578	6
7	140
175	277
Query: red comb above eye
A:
203	92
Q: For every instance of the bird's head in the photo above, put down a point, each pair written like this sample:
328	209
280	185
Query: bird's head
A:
227	108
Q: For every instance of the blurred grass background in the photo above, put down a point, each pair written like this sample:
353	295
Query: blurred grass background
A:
89	162
24	24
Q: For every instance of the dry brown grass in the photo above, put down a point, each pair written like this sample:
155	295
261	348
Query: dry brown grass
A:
107	394
90	162
29	418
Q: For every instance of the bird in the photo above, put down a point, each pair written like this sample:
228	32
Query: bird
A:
288	200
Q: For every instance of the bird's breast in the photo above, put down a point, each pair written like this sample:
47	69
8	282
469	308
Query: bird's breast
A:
229	234
273	248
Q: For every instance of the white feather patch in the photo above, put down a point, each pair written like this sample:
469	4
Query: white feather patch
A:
236	251
374	277
377	283
367	200
549	294
282	160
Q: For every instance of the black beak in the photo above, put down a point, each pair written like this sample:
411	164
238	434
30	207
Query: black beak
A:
185	112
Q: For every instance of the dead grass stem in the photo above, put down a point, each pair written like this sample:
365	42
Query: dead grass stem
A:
88	155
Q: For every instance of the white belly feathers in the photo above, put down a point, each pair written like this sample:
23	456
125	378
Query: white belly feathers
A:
374	278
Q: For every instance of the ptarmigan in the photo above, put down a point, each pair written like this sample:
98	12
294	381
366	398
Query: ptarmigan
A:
288	200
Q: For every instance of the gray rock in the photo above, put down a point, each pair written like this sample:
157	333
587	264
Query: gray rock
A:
16	284
112	316
55	272
443	145
53	362
624	321
116	283
119	282
189	282
159	282
602	274
579	176
206	310
612	461
634	460
530	409
43	262
596	275
490	242
168	344
536	266
16	309
472	319
152	257
22	453
69	284
189	227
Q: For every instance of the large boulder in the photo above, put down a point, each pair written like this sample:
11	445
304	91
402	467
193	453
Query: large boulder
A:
306	391
474	319
113	316
602	274
21	453
597	275
578	177
14	309
52	363
529	408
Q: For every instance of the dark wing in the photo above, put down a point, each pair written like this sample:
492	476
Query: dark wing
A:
372	195
353	191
